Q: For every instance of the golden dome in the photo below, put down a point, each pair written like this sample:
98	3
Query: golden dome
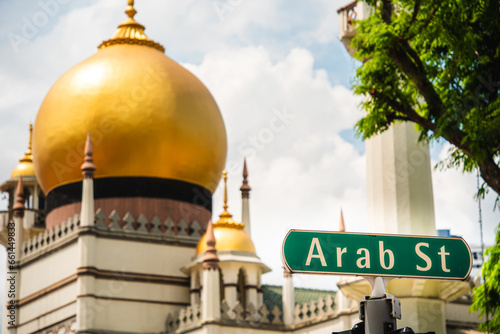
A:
229	234
148	116
25	166
228	239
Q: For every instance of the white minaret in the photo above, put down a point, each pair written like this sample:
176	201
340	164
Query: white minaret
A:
399	185
210	289
18	210
88	168
85	303
400	200
245	199
288	298
13	271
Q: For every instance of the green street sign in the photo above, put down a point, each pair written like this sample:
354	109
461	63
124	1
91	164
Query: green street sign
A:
360	254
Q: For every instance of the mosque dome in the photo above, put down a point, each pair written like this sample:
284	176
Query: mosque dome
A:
229	234
229	237
23	169
149	118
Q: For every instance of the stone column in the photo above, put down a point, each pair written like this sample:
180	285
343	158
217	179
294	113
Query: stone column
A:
288	298
195	288
15	246
251	287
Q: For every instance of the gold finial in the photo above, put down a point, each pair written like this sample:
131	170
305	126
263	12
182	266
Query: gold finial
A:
131	32
31	136
28	156
224	174
226	219
130	9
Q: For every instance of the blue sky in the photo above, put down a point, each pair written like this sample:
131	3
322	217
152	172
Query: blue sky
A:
259	58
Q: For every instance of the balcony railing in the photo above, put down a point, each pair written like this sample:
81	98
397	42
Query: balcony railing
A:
348	15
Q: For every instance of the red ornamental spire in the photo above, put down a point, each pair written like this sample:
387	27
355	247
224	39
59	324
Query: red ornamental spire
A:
210	259
88	167
19	205
341	224
245	188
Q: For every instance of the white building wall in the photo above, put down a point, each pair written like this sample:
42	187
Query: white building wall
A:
49	269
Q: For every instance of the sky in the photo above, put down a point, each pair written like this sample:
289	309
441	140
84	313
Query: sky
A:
282	80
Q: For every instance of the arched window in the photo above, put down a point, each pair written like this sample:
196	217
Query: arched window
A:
240	288
221	287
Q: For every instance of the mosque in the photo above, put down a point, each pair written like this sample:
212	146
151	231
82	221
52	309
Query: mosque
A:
109	227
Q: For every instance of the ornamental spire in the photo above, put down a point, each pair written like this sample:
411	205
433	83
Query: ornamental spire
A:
131	32
226	219
28	156
88	167
341	224
130	9
245	188
224	175
210	259
19	207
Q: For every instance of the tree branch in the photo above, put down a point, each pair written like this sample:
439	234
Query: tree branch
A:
415	12
394	117
409	63
456	138
490	172
387	11
410	113
424	25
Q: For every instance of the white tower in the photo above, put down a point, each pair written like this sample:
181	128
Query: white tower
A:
400	200
399	185
245	199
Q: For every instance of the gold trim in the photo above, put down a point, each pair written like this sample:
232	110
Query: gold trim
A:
131	41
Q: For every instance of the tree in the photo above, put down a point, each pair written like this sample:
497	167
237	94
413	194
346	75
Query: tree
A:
487	296
435	63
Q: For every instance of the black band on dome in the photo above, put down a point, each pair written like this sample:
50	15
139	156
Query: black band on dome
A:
116	187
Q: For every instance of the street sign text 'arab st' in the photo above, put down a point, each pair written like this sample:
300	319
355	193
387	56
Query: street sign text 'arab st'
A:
336	253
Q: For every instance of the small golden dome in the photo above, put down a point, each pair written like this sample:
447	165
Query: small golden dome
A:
229	234
228	239
25	166
148	116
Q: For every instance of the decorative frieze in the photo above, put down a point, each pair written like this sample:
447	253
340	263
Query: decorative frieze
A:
180	231
314	310
52	236
184	320
128	224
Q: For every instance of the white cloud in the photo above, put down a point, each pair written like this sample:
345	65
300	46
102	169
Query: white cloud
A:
456	207
302	173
